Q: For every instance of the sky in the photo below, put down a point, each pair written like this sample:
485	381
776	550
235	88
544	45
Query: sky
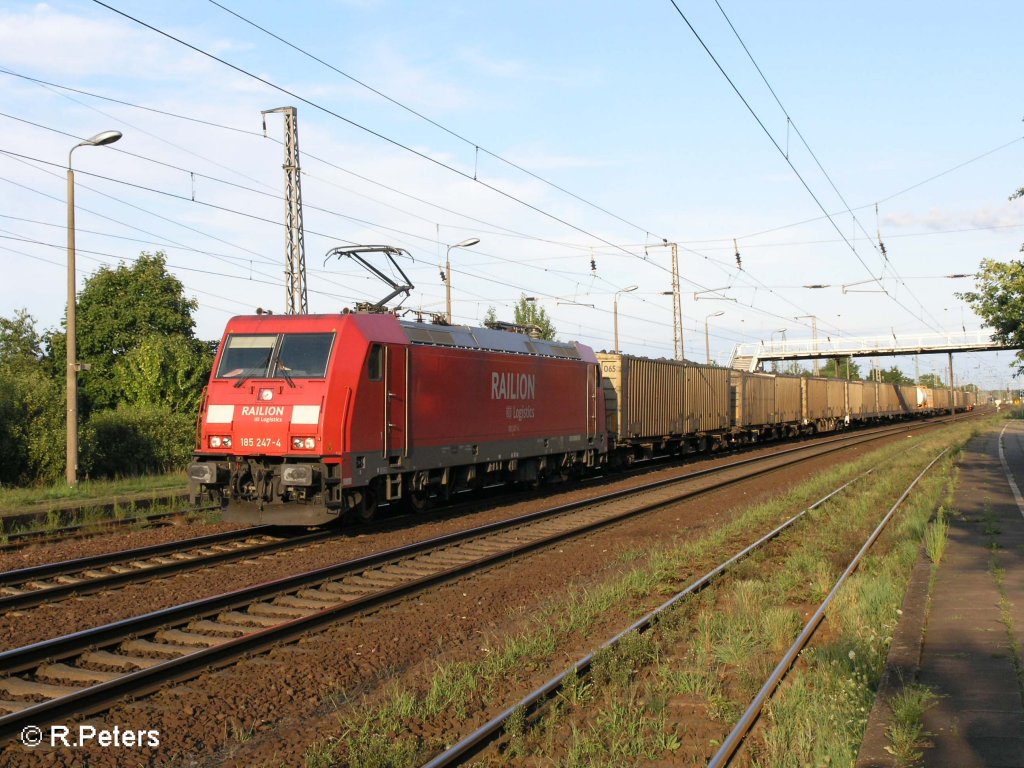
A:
574	139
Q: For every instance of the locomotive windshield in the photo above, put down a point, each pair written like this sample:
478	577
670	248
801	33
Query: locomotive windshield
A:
288	355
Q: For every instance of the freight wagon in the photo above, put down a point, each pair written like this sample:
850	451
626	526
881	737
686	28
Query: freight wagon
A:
663	406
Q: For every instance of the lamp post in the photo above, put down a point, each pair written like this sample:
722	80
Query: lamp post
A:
814	336
615	313
771	340
448	273
71	472
707	342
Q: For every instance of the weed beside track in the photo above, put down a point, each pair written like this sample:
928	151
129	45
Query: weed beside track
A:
672	694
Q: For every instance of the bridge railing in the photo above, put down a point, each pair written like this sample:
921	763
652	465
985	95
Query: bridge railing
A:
888	344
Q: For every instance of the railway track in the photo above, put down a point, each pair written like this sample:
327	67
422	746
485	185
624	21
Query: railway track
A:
88	670
28	587
469	746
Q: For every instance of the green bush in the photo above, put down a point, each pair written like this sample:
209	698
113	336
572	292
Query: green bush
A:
135	440
32	419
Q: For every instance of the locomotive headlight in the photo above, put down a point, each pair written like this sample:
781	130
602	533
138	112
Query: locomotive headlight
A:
215	442
310	443
226	442
297	442
220	441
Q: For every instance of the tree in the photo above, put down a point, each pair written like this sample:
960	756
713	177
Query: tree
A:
530	313
998	299
830	370
168	371
20	343
32	416
930	380
117	309
895	376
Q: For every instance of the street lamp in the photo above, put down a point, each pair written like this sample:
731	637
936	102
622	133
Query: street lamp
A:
615	313
707	343
814	335
771	340
71	472
448	272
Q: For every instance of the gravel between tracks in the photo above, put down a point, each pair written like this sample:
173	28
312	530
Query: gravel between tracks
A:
270	708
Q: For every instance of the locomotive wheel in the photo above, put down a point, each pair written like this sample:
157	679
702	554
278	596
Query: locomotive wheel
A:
418	501
366	509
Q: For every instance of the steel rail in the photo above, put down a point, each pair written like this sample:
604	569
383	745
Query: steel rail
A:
746	721
97	696
469	745
87	584
20	658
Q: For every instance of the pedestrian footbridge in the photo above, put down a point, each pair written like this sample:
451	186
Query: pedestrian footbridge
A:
748	357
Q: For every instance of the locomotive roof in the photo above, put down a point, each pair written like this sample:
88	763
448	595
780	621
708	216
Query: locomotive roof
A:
487	339
387	327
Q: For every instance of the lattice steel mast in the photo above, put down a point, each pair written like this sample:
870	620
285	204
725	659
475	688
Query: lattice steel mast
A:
294	247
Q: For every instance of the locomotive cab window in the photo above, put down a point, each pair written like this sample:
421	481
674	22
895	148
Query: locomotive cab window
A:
375	367
304	355
246	356
289	355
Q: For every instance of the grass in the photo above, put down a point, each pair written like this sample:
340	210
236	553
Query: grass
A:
715	648
935	537
97	517
907	736
16	499
50	501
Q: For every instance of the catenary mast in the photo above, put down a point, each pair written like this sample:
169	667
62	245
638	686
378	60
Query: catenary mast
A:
295	252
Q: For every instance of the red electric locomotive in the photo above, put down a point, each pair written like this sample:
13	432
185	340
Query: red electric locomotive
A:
308	417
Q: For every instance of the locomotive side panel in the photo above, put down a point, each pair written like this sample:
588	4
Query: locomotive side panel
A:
469	396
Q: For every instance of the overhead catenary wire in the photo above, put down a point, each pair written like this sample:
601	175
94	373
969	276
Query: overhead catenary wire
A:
783	153
476	145
789	121
524	236
188	199
359	126
581	247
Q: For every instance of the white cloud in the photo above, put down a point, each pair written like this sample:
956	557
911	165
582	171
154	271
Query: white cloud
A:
81	46
940	219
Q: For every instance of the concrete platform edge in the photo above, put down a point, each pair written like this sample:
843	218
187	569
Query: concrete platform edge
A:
902	666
